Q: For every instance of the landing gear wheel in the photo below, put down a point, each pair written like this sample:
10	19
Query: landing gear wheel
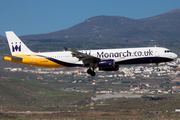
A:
89	71
92	73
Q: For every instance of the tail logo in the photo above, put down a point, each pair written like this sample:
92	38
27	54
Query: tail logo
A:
16	48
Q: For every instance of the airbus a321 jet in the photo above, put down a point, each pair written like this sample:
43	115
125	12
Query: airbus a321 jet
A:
104	59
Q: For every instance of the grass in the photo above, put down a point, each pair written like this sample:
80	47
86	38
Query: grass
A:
25	93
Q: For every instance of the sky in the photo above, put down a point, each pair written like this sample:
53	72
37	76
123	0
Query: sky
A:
26	17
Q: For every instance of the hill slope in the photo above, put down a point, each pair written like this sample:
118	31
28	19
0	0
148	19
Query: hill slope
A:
15	92
2	38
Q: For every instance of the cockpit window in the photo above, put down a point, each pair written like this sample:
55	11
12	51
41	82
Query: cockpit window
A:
167	51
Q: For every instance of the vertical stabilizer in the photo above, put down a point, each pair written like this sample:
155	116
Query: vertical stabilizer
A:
16	45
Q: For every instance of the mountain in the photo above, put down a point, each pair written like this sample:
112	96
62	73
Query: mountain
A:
108	32
163	29
117	24
2	38
100	25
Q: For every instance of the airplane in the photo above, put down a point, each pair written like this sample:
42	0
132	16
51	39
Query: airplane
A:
104	59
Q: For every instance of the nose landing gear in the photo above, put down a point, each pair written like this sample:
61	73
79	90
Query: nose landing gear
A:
158	68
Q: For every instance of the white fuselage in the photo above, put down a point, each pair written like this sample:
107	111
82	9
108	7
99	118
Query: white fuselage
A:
120	56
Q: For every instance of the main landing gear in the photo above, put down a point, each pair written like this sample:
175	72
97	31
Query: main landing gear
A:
91	72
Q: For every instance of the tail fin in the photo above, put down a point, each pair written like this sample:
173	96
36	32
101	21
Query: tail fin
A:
16	45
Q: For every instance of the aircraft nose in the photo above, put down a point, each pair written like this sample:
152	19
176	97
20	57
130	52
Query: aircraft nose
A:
174	56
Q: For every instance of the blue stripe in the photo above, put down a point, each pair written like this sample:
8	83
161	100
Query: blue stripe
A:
145	60
62	62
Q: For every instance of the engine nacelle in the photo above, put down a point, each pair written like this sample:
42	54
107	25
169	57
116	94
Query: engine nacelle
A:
108	65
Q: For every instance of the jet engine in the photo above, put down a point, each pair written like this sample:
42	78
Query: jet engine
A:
108	65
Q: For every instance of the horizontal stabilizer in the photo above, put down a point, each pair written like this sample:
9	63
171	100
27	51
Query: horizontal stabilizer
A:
14	57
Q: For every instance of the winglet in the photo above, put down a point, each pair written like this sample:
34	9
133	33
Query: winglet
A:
66	49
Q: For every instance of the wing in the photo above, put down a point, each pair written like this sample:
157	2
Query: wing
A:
87	59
